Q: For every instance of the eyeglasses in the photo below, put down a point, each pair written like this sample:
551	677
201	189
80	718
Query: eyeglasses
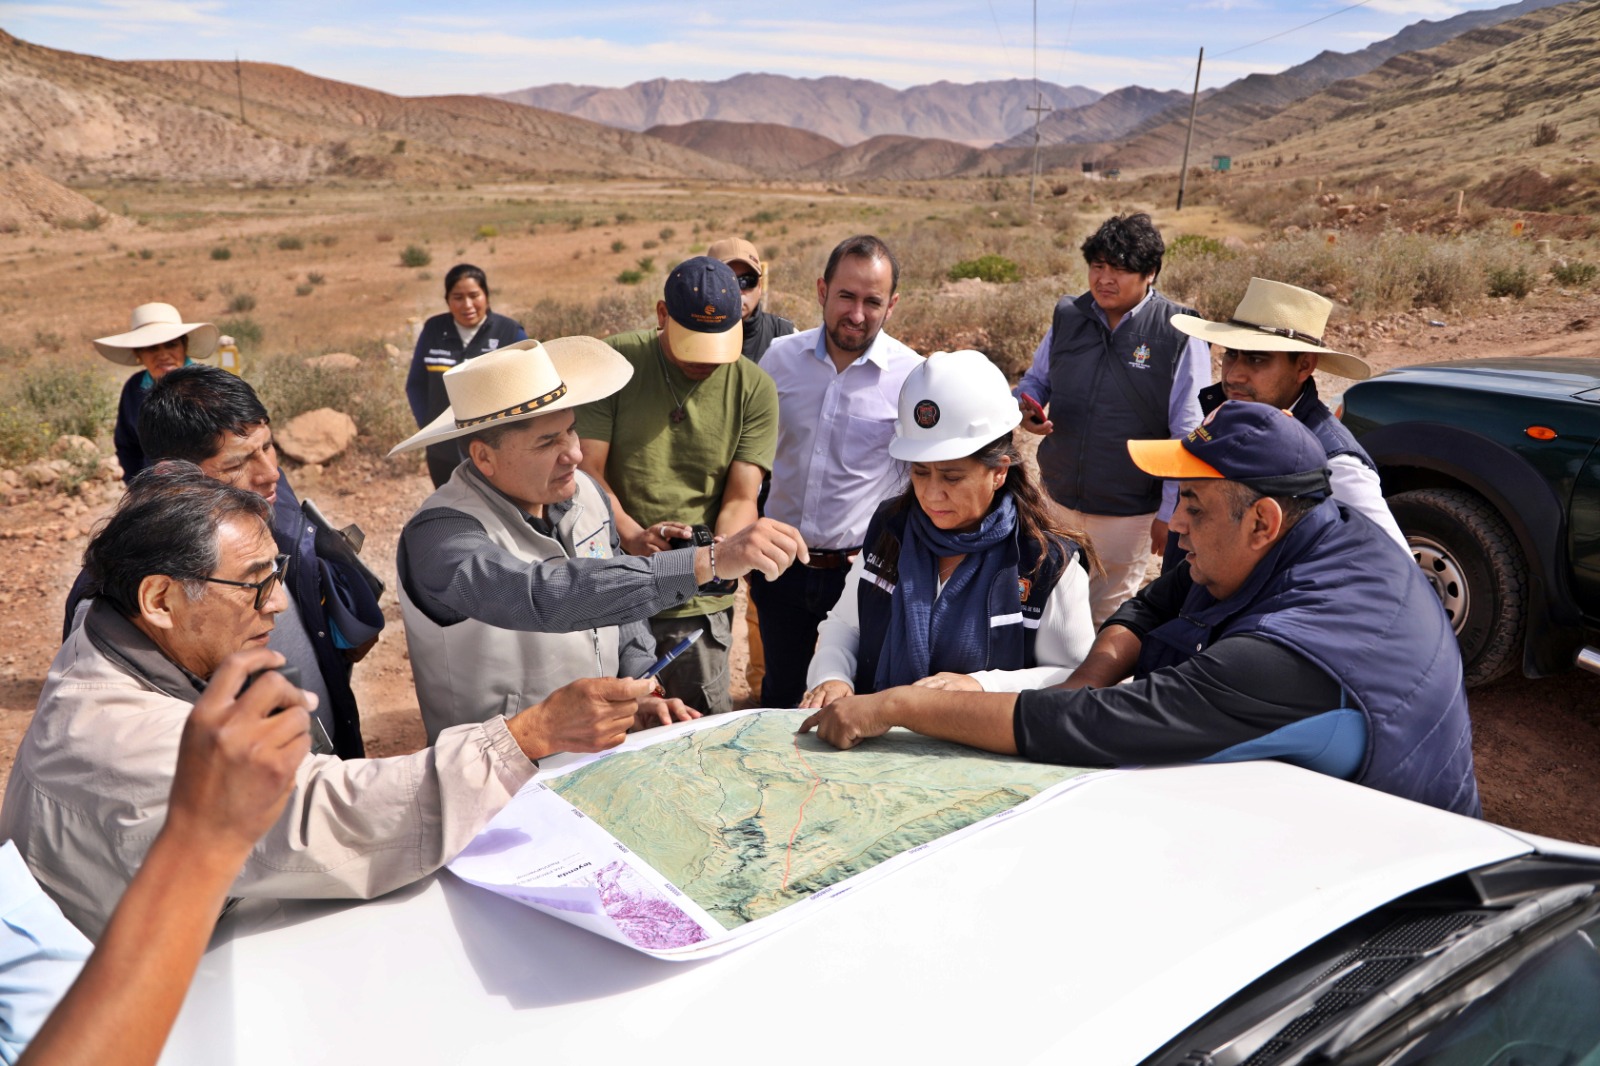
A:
748	281
263	587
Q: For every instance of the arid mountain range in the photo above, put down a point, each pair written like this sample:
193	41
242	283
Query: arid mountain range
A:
1481	95
844	110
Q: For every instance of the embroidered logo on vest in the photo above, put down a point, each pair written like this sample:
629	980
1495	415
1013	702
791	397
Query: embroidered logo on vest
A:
1141	357
1024	586
926	414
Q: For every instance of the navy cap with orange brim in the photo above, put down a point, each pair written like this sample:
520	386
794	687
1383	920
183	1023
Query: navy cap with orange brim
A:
703	312
1254	443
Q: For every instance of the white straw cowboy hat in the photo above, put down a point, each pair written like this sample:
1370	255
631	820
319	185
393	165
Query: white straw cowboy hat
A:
522	381
1274	317
157	324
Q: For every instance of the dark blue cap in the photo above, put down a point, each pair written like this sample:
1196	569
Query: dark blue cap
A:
1258	444
704	312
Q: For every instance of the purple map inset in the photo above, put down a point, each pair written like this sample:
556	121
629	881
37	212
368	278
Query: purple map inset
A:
646	918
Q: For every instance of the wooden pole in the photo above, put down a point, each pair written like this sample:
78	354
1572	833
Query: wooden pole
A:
238	76
1194	103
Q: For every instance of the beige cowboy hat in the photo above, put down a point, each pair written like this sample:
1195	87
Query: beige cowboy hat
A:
157	324
522	381
1274	317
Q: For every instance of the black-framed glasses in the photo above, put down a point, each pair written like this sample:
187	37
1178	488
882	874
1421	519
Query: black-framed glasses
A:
747	281
264	587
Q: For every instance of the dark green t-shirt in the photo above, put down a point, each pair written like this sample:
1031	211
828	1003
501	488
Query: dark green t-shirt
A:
666	471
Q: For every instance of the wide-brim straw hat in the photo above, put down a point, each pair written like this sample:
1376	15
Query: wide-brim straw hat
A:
522	381
157	324
1274	317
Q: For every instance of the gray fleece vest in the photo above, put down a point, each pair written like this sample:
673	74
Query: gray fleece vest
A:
470	671
1106	389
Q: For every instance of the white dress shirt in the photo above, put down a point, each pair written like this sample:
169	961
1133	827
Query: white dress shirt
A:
833	467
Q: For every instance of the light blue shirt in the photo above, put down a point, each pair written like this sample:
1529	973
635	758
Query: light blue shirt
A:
40	954
832	467
1183	405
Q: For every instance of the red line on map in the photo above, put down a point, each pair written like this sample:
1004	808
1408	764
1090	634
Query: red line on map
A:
816	783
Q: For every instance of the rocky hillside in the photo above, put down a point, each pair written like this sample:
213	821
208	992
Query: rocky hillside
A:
846	110
1515	97
1259	97
81	118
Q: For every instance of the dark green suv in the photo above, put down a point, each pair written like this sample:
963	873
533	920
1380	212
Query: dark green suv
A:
1492	470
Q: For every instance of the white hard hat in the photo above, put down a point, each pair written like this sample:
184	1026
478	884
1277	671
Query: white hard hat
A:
951	406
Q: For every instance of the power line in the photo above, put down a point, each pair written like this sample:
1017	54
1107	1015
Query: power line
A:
998	33
1296	29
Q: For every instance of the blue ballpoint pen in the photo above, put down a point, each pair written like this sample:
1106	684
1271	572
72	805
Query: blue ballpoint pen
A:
677	650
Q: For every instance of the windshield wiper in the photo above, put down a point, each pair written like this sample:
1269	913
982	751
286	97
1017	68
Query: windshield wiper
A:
1440	986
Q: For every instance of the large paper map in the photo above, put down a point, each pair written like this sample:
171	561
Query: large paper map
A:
747	817
730	821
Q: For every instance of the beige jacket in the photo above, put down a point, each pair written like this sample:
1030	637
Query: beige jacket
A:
88	794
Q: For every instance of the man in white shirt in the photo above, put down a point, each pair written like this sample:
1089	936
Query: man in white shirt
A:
838	396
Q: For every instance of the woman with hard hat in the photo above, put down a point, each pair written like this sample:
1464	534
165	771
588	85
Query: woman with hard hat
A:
159	340
966	580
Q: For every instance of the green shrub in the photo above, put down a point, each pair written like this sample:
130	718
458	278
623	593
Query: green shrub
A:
241	303
630	277
619	245
485	232
69	399
1192	244
315	278
1514	281
616	311
221	252
1575	273
667	233
145	253
647	263
290	244
374	394
996	268
24	436
304	290
246	332
414	255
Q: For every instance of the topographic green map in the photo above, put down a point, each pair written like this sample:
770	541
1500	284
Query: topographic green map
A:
746	818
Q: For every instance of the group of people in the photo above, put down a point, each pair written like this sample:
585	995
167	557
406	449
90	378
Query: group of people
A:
597	501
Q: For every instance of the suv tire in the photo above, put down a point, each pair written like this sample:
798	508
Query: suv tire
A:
1471	558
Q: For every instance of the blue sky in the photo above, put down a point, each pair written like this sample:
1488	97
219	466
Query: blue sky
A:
414	48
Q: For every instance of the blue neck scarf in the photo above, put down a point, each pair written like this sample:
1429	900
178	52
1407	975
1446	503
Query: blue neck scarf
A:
928	635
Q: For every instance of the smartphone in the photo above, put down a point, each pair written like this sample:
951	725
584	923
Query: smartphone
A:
1032	406
290	674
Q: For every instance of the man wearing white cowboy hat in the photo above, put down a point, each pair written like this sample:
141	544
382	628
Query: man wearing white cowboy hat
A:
1270	349
159	340
511	581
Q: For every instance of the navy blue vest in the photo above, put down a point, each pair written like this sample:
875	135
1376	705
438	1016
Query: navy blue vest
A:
1106	389
1341	593
1313	414
1010	643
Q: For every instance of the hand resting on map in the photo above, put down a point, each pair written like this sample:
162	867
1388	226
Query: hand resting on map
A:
655	711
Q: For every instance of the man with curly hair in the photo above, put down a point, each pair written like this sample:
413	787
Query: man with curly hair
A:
1113	368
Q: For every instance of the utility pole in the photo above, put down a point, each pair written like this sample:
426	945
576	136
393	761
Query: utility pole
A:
238	77
1038	107
1194	102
